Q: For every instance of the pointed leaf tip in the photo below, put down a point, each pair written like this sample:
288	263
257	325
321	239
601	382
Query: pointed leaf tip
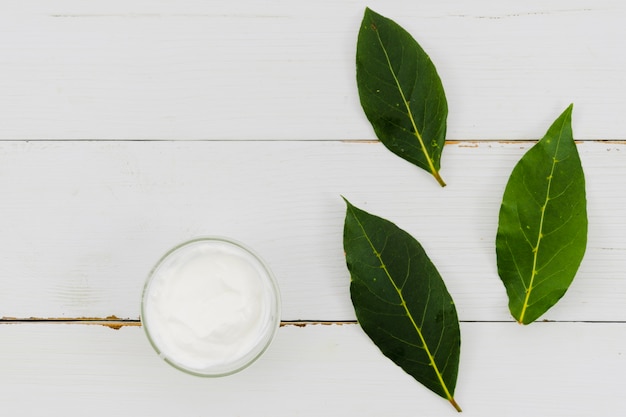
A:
568	112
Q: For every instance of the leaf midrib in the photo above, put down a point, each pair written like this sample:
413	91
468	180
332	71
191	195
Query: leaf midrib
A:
407	105
540	235
408	314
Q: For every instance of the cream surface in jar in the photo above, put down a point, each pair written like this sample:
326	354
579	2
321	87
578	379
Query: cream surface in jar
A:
210	307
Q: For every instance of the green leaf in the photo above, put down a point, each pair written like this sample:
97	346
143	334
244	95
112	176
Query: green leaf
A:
401	301
542	231
401	92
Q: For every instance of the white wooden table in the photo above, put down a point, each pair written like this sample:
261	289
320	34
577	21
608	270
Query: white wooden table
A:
128	126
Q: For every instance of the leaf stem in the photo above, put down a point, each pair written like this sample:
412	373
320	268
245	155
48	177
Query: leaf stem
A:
438	177
454	404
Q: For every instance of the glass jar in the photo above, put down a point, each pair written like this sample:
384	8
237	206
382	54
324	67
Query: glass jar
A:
210	306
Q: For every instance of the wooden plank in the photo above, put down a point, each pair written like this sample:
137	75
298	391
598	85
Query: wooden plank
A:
139	69
84	222
547	369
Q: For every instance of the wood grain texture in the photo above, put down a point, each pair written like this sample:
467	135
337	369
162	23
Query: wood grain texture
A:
281	69
258	129
85	221
313	371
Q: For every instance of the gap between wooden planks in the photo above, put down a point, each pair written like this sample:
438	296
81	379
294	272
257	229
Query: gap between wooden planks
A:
116	323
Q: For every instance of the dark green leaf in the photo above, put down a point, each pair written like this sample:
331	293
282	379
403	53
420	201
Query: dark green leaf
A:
542	231
401	301
401	92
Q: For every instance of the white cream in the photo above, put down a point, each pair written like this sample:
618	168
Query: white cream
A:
210	307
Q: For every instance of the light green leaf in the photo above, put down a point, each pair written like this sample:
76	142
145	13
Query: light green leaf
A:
401	92
401	302
542	231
